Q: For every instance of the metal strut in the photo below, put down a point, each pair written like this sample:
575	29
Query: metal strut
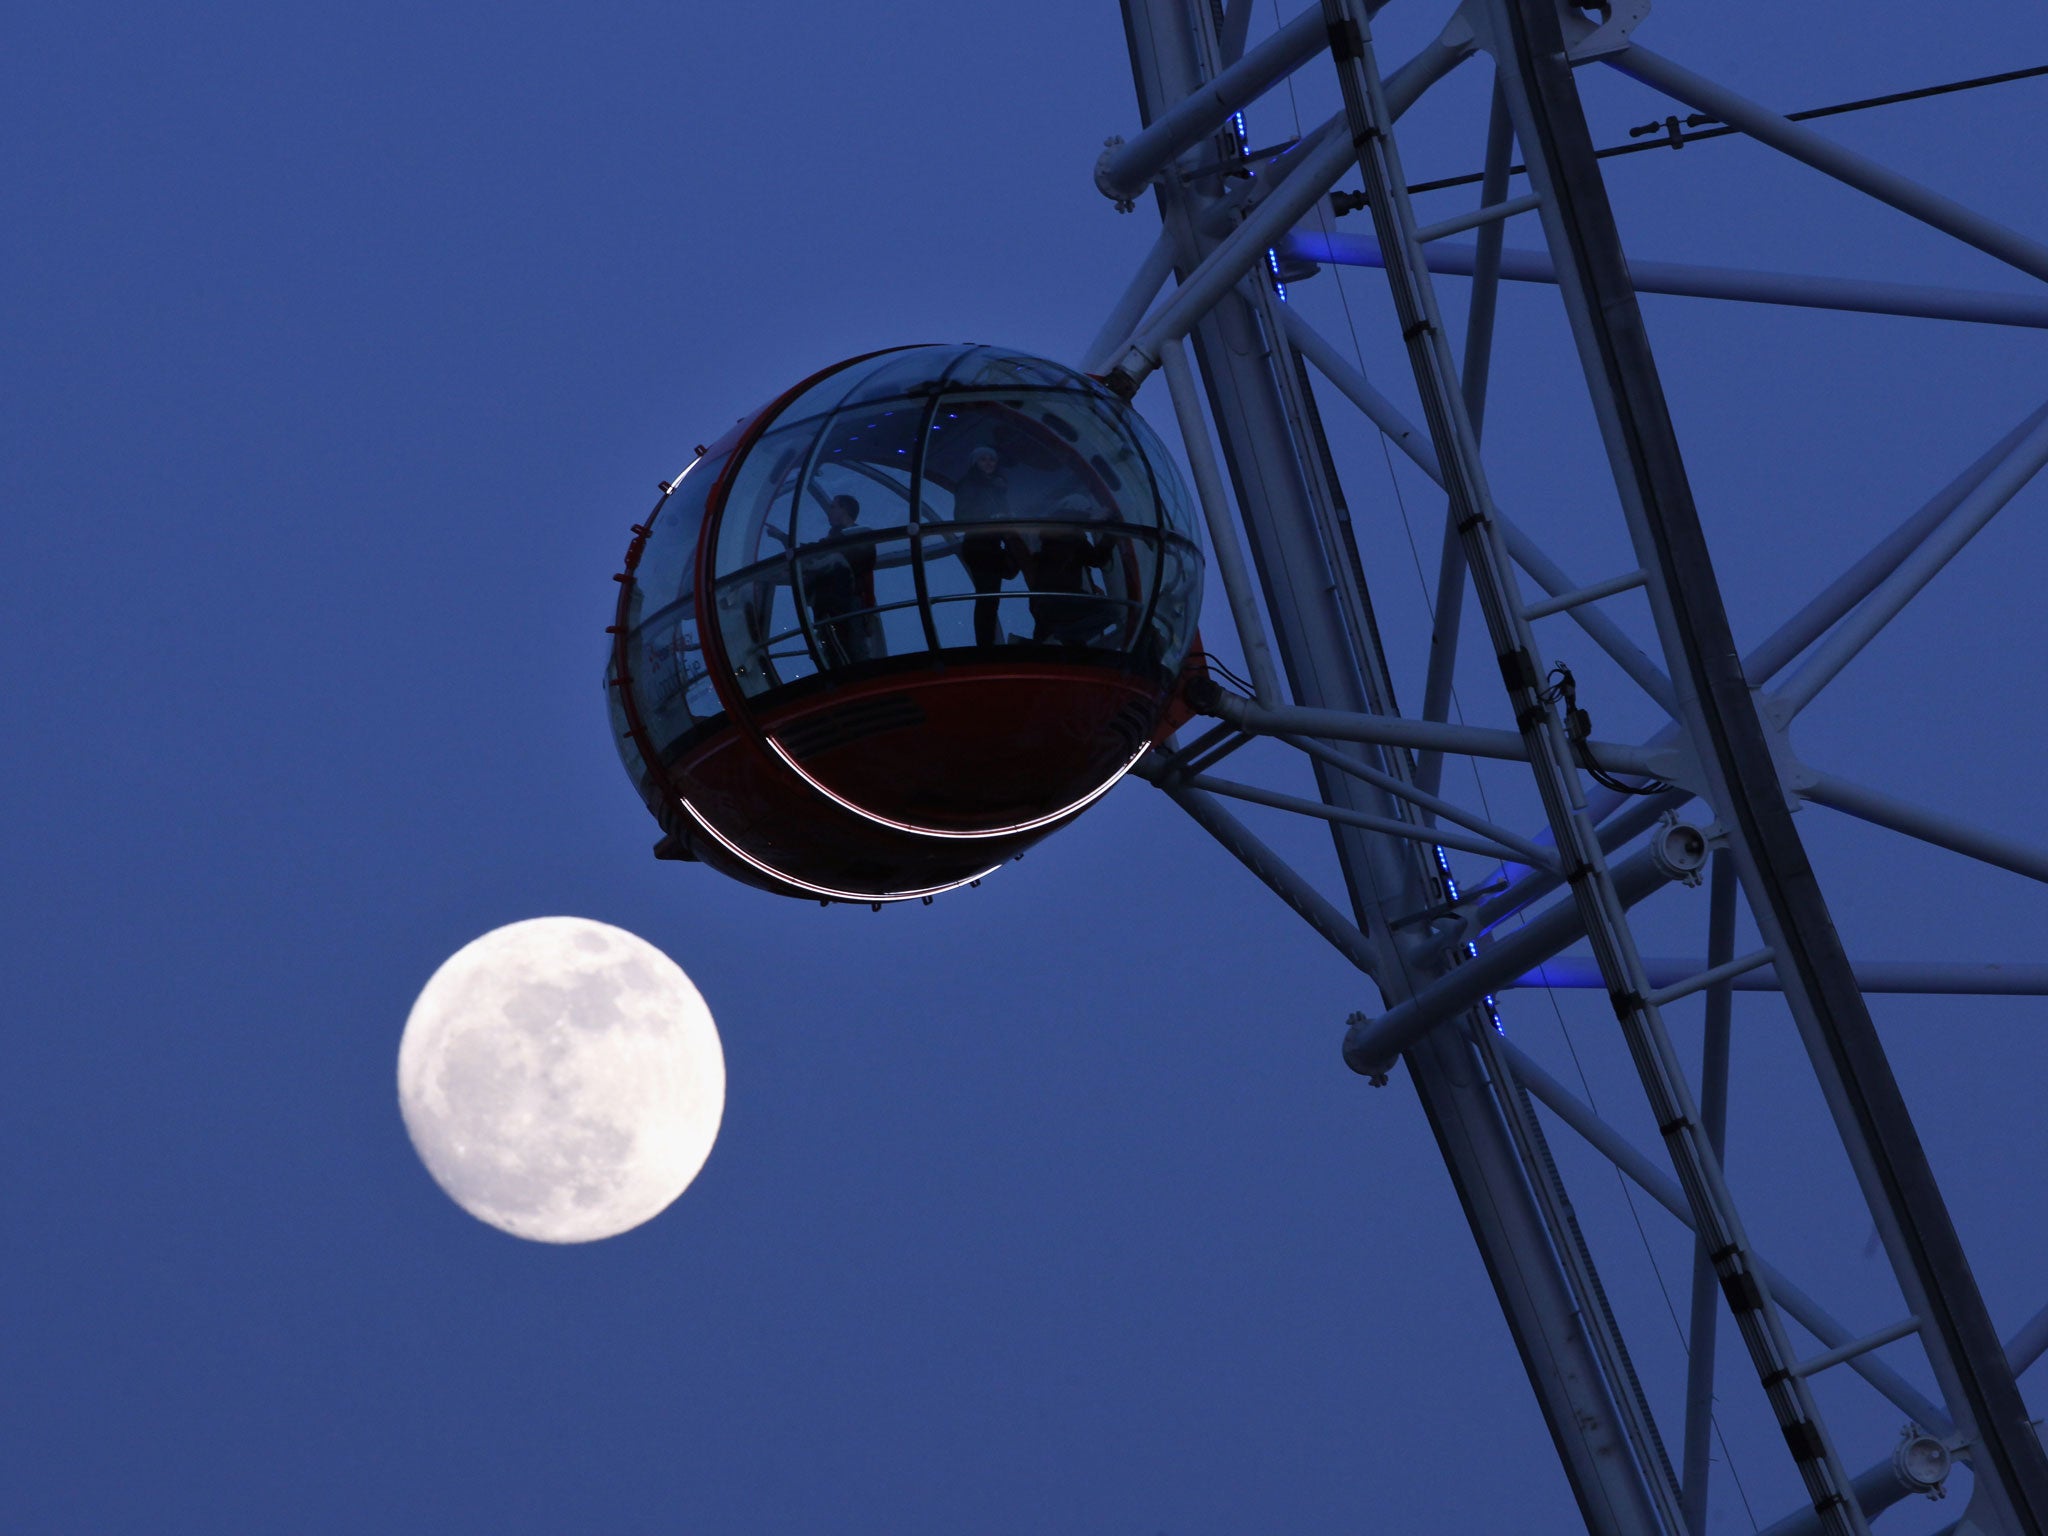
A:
1720	714
1556	777
1324	638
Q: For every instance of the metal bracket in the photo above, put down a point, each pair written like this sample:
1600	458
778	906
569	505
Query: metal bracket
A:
1793	775
1680	849
1922	1462
1110	146
1586	39
1441	933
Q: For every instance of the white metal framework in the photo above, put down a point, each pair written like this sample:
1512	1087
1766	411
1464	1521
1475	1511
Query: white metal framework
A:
1708	797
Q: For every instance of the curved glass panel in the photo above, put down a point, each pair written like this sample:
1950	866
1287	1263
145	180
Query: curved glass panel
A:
1177	511
991	368
753	535
814	566
1177	606
823	394
1043	508
672	693
907	374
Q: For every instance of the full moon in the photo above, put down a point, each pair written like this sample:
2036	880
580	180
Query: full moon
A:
561	1079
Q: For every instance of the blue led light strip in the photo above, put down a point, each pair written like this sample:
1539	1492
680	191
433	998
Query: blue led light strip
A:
1443	865
1272	255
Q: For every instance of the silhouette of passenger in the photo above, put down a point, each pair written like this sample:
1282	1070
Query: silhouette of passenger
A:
1066	605
839	580
982	495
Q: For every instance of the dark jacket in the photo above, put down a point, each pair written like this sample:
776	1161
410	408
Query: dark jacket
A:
979	498
840	580
1064	560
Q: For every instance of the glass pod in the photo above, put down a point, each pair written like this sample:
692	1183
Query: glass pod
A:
902	622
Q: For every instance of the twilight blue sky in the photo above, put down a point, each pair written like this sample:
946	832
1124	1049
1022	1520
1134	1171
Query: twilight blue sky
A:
343	346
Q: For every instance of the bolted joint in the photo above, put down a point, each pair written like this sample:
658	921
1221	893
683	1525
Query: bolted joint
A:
1105	174
1922	1462
1133	370
1204	695
1373	1072
1679	849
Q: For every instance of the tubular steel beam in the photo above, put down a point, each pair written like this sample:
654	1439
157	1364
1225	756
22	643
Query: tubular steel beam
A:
1404	435
1486	214
1129	309
2029	1344
1380	730
1704	1319
1599	628
1913	573
1447	616
1371	1045
1830	158
1236	27
1230	568
1691	281
1533	64
1533	855
1270	216
1217	218
1241	251
1897	977
1390	826
1721	716
1399	731
1713	975
1353	385
1124	169
1613	586
1635	817
1928	826
1213	217
1828	1359
1877	1489
1277	875
1324	638
1662	1188
1861	579
1841	595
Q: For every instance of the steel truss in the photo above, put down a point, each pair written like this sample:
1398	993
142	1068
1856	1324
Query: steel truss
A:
1725	760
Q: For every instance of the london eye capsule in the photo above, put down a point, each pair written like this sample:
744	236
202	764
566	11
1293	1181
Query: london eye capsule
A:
902	622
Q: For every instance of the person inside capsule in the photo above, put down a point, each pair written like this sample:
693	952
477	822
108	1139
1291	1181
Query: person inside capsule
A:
982	495
839	581
1067	605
